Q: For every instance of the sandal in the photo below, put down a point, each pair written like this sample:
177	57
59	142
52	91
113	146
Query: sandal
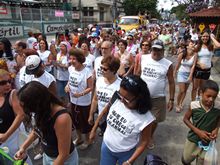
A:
178	109
77	142
101	133
151	146
84	146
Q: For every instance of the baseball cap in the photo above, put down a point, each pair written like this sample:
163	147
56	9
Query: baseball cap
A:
32	64
158	44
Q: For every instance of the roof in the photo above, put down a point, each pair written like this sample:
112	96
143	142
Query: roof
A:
210	12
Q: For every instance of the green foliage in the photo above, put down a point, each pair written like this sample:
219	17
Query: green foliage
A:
179	11
133	7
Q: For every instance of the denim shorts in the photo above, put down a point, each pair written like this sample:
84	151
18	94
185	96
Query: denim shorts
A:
182	77
111	158
72	160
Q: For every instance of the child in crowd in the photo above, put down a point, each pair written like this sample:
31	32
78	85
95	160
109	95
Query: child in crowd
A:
205	124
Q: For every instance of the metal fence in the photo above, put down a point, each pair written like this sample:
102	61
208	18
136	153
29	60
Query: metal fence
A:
34	19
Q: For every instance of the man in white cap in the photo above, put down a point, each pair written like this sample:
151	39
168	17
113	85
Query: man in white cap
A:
155	70
34	66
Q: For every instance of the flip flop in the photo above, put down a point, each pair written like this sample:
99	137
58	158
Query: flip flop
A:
77	142
151	146
178	109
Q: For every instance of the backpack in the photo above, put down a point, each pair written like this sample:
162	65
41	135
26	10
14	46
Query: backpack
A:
151	159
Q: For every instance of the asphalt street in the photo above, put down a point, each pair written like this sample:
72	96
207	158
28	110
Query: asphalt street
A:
169	137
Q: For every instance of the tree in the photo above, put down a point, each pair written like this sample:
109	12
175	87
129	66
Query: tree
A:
134	7
179	11
196	5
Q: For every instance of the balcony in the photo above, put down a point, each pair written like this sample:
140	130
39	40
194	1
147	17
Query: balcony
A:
105	2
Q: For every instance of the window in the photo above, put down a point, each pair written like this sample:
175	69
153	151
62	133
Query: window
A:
85	11
74	8
101	14
88	11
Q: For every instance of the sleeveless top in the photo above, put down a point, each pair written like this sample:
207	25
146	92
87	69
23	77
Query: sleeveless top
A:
49	141
154	73
205	57
186	65
7	115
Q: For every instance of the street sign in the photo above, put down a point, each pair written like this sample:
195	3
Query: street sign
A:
75	15
12	31
58	27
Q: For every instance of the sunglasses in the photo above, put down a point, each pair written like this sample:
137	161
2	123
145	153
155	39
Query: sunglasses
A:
122	98
104	48
145	44
4	82
131	81
129	38
104	69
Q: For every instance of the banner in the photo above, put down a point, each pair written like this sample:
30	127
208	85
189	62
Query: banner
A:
11	31
59	13
3	9
54	28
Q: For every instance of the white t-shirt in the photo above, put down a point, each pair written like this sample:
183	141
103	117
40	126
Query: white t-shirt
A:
105	91
132	49
44	57
24	78
77	84
205	57
45	79
62	73
98	71
154	73
89	62
124	127
31	42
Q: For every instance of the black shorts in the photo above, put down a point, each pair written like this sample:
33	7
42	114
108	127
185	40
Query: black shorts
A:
203	74
80	115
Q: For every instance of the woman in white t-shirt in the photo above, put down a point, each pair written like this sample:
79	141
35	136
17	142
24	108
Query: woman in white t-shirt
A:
45	55
128	123
62	65
89	63
105	88
79	87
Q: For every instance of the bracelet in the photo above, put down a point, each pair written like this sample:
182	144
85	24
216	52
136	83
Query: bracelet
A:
128	162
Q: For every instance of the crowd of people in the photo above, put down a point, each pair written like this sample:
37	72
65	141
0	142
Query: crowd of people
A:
121	76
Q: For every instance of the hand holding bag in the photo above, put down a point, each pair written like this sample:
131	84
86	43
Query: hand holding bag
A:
211	156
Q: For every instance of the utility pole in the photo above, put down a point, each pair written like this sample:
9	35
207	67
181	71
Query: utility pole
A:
80	13
114	9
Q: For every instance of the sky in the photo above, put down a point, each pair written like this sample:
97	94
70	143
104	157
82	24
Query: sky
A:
166	4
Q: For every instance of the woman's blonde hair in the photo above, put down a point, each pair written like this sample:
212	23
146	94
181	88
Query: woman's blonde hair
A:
4	72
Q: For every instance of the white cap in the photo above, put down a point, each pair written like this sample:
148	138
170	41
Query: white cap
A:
32	63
